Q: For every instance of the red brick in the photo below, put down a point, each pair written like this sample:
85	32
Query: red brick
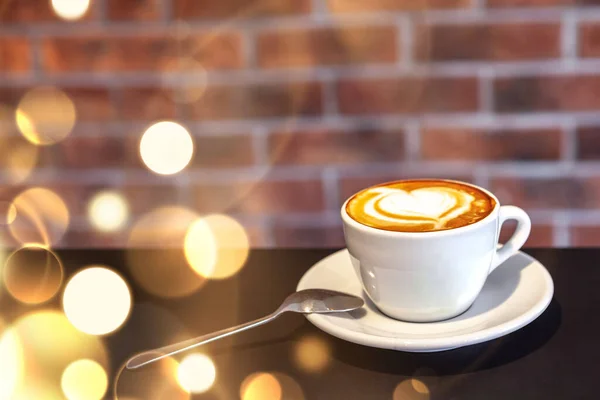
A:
147	103
15	54
139	10
144	198
360	6
589	39
493	145
85	152
262	197
223	151
27	11
588	143
91	103
192	9
352	185
407	95
585	236
321	147
151	52
542	235
258	101
288	235
547	93
327	46
496	42
11	96
548	193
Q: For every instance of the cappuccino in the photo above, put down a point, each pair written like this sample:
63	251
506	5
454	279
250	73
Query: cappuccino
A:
420	205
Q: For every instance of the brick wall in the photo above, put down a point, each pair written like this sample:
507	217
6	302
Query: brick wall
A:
296	104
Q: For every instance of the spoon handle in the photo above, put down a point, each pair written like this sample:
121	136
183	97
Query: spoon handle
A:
150	356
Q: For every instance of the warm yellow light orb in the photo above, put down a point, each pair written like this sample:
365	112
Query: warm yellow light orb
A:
216	246
166	148
411	389
163	273
261	386
196	373
312	354
84	380
11	364
50	343
41	217
108	211
33	274
8	213
97	301
70	9
45	115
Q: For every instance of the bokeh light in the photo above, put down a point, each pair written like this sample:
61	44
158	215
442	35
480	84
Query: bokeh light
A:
196	373
411	389
8	212
270	386
312	354
2	262
166	147
196	79
49	344
33	274
108	211
200	247
155	381
70	9
18	158
97	301
164	273
261	386
42	217
216	246
290	388
11	364
424	380
84	380
45	115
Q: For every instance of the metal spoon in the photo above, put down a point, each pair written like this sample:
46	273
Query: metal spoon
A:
308	301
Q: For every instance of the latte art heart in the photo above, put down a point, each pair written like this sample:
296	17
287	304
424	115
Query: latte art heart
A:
420	205
436	205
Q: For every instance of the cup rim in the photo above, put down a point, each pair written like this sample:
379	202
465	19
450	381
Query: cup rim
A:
348	220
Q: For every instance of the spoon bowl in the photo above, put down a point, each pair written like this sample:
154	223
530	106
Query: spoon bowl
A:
321	301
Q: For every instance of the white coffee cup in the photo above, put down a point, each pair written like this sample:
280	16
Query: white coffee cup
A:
431	276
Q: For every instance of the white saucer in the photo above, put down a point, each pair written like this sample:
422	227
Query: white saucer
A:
515	294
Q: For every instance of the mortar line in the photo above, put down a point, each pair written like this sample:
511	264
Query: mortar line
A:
560	230
329	178
405	45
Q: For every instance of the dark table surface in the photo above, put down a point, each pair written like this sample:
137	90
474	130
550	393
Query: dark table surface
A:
555	357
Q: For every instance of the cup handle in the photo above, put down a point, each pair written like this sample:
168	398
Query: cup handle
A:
518	239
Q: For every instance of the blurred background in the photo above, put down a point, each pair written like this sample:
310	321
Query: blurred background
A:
214	126
272	112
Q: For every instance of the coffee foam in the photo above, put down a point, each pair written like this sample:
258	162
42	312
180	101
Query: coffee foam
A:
420	205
